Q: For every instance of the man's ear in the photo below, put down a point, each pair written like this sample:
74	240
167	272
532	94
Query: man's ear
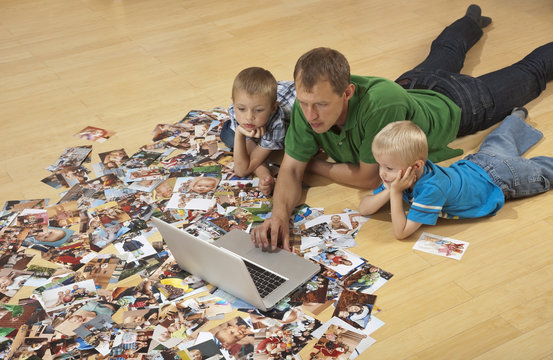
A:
350	89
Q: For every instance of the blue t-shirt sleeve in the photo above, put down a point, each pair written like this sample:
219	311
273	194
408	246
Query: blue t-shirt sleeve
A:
427	205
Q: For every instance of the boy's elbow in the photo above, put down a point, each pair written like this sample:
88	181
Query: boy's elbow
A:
400	236
367	211
403	234
242	172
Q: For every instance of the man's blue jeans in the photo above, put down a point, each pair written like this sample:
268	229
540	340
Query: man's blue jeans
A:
487	99
500	156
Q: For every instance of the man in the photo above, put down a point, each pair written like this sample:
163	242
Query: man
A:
341	113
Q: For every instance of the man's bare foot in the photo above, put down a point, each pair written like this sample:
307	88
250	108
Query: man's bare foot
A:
266	185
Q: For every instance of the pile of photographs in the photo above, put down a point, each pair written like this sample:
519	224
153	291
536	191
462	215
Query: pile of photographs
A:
90	276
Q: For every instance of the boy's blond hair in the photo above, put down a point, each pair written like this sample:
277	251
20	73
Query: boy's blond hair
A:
402	139
256	81
323	64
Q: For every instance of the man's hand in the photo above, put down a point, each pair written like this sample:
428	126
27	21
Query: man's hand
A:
273	231
404	181
255	133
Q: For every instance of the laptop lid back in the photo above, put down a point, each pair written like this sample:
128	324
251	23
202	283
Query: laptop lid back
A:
216	265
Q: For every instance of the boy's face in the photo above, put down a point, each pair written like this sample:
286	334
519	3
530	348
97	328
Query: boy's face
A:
252	111
322	107
389	167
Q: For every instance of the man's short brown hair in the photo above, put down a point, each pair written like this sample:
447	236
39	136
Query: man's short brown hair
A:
323	64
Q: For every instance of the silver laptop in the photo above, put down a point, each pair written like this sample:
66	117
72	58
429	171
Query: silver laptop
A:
234	264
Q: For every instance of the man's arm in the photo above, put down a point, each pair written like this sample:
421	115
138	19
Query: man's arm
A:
274	230
364	176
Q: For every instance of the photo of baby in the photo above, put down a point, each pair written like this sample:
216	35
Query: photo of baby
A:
67	295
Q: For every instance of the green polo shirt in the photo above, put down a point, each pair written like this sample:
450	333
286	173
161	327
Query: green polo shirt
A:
375	103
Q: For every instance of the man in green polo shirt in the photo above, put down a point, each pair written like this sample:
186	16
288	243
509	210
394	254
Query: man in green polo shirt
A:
334	115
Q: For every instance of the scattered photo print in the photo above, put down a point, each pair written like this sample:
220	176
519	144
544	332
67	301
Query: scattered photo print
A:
113	159
236	337
93	133
136	247
336	343
355	308
442	246
71	157
64	296
367	279
340	261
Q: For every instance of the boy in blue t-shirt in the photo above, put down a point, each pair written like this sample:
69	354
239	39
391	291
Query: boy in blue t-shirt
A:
476	186
259	118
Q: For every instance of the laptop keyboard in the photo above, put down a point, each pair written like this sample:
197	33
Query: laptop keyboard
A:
265	281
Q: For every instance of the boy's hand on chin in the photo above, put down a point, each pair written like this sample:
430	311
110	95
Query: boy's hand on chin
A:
266	185
404	180
255	133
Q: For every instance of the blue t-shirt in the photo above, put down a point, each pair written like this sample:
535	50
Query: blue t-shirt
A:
462	190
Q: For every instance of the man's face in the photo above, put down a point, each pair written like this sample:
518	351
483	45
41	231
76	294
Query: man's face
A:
322	107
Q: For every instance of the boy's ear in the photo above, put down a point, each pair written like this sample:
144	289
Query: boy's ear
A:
419	164
274	106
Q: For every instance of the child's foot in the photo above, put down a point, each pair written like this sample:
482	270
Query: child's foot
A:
475	13
521	112
266	185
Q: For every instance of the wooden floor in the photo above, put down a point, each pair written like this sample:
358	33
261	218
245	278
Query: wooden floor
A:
128	65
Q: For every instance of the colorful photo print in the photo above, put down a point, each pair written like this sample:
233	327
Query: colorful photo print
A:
62	215
32	218
367	279
336	343
104	269
135	247
12	280
114	158
204	350
98	333
340	261
50	236
355	308
71	157
131	344
442	246
93	133
69	295
79	315
235	337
